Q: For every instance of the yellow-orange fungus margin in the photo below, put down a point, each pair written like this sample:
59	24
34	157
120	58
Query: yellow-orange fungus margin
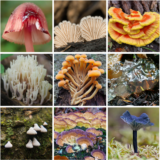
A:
133	29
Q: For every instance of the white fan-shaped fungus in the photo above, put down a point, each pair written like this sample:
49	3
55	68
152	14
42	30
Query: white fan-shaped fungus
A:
35	142
25	80
8	145
31	131
43	129
65	33
29	144
93	27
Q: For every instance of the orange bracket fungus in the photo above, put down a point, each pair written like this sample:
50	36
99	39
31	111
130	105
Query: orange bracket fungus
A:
133	29
78	75
27	25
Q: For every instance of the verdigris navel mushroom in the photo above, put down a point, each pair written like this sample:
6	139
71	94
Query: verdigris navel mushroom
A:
136	123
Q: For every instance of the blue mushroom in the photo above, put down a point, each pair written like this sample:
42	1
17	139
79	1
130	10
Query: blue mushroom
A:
136	123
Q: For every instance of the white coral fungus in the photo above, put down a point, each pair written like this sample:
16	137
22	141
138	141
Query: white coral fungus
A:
65	33
93	27
25	80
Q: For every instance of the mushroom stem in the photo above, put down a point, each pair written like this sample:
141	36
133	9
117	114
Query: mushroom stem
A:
135	141
28	39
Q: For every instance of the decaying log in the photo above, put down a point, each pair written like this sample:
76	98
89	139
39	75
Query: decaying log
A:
126	6
116	4
138	6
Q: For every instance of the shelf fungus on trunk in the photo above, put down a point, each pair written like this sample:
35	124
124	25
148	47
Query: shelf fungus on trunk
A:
133	29
78	75
25	79
136	123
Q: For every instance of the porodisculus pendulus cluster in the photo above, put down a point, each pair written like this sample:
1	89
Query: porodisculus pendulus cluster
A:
25	80
79	74
90	28
133	29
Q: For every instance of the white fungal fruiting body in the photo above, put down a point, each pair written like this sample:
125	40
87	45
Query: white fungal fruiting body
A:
31	131
36	127
29	144
25	80
8	145
35	142
65	33
93	28
43	129
45	123
83	146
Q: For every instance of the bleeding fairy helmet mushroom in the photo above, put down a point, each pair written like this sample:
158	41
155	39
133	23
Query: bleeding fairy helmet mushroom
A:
27	25
29	144
8	145
136	123
98	154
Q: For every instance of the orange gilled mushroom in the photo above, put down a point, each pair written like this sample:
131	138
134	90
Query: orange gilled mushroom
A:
60	76
58	157
138	31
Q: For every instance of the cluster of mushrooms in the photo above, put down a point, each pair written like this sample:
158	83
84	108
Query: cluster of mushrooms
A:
31	131
90	28
25	79
87	120
133	29
78	75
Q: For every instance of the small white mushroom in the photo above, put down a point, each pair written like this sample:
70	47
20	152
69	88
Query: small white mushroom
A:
31	131
45	123
43	129
35	142
29	144
36	127
8	145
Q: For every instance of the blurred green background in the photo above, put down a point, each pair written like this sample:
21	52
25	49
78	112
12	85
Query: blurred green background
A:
123	133
7	7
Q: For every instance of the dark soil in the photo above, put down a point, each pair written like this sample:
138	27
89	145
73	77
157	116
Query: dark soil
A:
98	45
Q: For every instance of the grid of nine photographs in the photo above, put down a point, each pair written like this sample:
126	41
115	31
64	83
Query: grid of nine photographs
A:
100	102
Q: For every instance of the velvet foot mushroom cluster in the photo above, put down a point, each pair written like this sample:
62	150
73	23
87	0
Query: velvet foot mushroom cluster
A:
32	132
25	79
133	29
78	75
27	25
90	28
87	120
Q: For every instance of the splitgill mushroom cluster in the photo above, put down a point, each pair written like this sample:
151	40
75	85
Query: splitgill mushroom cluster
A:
25	79
90	28
133	29
87	120
78	75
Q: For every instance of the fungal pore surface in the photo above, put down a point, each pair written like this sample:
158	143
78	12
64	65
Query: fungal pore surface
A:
78	75
133	29
25	79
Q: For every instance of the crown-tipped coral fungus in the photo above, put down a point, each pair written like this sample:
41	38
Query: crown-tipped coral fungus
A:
78	75
136	123
25	79
133	29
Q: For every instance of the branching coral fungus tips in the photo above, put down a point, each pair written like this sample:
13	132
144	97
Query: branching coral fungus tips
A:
27	25
79	78
65	33
25	80
93	28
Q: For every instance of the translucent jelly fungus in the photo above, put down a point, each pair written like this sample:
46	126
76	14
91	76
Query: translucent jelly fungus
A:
133	29
78	75
135	77
27	25
25	79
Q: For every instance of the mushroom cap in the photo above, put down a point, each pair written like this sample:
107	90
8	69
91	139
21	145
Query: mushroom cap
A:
77	56
94	73
84	140
97	63
101	70
100	114
148	18
61	83
84	56
98	154
45	123
27	15
31	131
8	145
69	58
65	63
58	157
55	134
43	129
60	76
136	123
88	115
99	86
88	158
69	149
91	61
29	144
94	131
35	142
72	116
36	127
